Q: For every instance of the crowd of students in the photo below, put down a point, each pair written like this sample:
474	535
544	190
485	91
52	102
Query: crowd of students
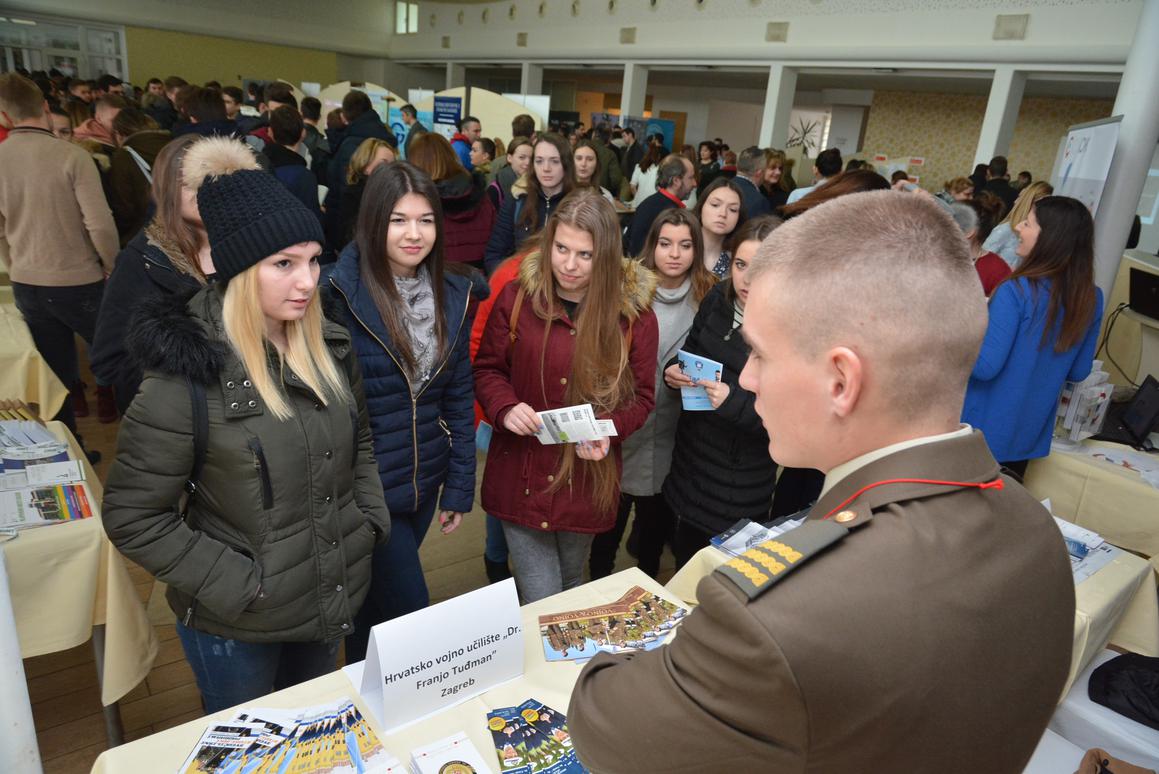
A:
327	437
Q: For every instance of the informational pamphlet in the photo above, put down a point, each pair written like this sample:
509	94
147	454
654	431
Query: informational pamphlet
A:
698	369
333	738
532	738
40	506
745	534
639	620
573	424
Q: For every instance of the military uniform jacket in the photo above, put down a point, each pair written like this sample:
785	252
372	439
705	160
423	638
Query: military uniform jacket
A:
934	636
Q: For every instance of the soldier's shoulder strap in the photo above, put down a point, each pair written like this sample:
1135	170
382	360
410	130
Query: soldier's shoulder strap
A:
761	567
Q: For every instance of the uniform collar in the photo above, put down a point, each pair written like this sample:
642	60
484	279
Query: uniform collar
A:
940	464
846	468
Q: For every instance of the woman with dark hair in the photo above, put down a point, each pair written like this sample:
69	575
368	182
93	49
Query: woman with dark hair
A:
978	176
468	216
708	162
839	185
721	469
576	327
720	212
410	324
674	250
1044	322
170	256
552	177
587	167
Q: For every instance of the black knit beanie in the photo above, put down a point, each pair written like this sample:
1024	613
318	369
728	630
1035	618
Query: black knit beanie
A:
248	214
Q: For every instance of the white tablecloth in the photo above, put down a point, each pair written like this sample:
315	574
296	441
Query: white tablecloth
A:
550	683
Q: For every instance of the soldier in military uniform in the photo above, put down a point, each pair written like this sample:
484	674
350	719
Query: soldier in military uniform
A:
922	617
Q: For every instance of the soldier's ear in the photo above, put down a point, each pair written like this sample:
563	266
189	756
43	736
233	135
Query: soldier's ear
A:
846	375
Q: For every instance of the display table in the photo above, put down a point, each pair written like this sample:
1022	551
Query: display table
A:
69	584
1101	497
550	683
23	372
1117	604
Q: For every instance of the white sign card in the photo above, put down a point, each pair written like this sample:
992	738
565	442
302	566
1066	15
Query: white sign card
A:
436	658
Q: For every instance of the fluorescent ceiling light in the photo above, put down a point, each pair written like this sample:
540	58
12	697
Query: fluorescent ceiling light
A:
29	22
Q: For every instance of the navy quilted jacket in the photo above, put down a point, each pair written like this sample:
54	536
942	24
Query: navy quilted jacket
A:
426	440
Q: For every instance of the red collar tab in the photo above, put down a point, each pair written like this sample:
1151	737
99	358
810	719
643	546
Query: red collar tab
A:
995	484
665	192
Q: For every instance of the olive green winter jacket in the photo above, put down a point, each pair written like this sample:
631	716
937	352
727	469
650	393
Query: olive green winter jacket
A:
277	541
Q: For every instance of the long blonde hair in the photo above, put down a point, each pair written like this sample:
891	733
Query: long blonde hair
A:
1025	201
306	351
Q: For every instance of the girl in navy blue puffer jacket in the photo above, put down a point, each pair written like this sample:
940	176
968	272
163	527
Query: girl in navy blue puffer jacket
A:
410	324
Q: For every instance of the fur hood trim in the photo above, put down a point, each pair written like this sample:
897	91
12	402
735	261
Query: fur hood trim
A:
165	337
639	284
214	157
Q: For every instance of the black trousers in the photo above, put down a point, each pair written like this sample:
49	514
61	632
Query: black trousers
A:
1016	466
687	539
654	525
55	316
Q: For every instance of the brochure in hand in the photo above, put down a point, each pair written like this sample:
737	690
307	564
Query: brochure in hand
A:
333	738
639	620
532	739
573	424
697	369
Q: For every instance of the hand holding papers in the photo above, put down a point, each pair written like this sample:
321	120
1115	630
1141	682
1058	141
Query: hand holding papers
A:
698	369
573	424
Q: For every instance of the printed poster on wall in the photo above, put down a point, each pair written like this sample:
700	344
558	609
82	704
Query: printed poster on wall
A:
401	130
447	112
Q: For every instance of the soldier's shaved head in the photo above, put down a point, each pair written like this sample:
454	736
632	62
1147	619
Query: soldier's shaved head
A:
885	279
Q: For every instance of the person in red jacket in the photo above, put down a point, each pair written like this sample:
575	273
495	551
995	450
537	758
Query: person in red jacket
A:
467	210
577	327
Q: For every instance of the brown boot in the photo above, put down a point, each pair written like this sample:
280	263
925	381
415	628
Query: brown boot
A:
106	405
80	405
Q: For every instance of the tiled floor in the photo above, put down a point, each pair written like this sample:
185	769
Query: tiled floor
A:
63	686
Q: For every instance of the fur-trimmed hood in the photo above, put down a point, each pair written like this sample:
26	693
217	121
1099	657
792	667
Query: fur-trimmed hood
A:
639	284
183	335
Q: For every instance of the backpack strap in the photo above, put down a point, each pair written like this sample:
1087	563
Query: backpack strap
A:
200	408
141	164
512	336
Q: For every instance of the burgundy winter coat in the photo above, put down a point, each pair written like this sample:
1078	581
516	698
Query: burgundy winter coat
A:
467	217
519	469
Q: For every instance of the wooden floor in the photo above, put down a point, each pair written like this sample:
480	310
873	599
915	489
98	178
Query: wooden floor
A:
63	686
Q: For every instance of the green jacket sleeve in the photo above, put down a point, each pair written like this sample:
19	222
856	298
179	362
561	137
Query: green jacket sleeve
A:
367	484
154	459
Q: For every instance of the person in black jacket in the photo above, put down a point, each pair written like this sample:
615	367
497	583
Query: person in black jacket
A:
721	471
998	182
362	123
286	131
675	181
169	256
552	177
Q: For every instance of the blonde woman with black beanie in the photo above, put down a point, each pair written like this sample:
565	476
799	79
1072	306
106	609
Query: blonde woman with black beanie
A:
268	559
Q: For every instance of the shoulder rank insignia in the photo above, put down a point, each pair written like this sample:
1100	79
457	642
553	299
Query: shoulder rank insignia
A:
757	569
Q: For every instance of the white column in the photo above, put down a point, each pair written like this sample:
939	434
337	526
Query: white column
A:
634	91
456	75
1001	114
1138	103
531	79
779	93
18	752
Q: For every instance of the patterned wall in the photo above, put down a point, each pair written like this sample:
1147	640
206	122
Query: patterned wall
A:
944	129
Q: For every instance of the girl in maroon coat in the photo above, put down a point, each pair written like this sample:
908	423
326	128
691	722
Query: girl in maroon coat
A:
467	211
576	327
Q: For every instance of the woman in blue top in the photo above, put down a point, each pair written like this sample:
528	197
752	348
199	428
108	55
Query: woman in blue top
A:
1044	321
410	323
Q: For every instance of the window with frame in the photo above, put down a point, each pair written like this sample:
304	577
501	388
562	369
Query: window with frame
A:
76	49
406	18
